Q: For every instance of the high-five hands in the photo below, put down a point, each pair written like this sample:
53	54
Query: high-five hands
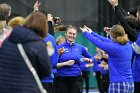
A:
85	29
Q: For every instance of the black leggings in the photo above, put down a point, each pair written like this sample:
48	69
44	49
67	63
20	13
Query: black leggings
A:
85	75
48	87
72	84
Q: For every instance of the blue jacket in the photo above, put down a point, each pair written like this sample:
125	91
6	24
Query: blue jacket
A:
72	52
96	65
119	60
97	68
53	58
82	66
136	63
15	77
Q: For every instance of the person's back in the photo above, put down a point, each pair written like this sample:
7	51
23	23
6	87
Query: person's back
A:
120	53
15	76
120	63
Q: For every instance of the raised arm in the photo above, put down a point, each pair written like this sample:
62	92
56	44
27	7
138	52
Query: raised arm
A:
50	24
36	6
132	33
106	46
87	29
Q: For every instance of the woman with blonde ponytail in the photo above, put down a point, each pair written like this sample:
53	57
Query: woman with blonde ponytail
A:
119	51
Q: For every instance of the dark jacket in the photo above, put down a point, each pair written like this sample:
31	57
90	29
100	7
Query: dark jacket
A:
15	77
131	32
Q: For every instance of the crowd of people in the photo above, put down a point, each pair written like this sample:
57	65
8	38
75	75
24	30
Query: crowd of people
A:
63	65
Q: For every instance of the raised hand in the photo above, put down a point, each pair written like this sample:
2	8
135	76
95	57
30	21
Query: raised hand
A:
113	2
83	29
107	30
36	6
50	17
86	29
89	29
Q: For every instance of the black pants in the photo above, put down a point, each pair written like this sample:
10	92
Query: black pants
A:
104	83
136	87
69	84
85	75
48	87
98	78
54	83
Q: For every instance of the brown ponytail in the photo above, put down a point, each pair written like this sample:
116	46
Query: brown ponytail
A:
118	34
122	39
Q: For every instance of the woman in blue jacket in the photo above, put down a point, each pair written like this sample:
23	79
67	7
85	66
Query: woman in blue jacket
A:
120	51
69	78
